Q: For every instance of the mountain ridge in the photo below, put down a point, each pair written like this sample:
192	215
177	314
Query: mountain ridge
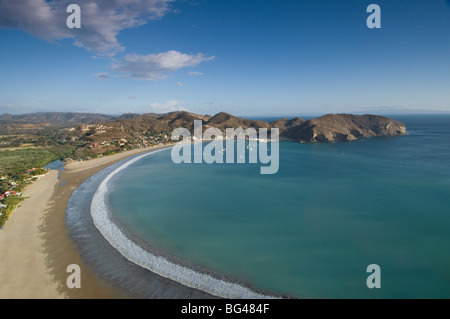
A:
326	128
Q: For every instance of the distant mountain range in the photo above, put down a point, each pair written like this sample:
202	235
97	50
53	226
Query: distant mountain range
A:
383	111
34	122
55	118
327	128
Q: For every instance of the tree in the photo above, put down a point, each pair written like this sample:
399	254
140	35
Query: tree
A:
4	187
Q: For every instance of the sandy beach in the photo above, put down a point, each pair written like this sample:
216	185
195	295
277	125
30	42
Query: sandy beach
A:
22	261
35	247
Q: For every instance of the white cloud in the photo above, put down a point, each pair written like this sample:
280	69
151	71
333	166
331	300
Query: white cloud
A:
155	66
102	76
179	84
101	21
195	73
169	106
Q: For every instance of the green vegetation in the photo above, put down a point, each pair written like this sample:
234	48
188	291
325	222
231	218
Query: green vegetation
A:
16	163
11	202
17	168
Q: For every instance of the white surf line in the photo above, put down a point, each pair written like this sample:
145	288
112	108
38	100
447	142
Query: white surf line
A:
163	267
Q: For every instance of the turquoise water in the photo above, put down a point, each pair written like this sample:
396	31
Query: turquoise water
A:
312	229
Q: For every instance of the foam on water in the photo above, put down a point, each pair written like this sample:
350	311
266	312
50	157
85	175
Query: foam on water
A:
157	264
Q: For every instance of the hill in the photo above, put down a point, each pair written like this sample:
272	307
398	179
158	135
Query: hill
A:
344	127
90	135
33	122
224	120
55	118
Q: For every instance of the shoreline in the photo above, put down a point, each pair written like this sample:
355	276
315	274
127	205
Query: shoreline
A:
23	273
59	256
104	259
35	244
51	239
159	262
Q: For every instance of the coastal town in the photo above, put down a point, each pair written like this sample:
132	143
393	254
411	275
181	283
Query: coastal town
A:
11	191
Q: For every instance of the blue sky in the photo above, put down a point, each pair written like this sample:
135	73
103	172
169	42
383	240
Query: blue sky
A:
246	57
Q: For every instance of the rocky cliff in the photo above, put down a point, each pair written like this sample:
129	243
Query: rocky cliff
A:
343	127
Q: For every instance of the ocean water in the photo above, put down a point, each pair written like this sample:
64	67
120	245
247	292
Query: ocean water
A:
311	230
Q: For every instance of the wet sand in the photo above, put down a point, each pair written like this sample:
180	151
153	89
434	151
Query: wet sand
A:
35	246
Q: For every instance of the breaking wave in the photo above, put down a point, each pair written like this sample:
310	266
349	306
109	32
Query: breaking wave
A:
158	264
